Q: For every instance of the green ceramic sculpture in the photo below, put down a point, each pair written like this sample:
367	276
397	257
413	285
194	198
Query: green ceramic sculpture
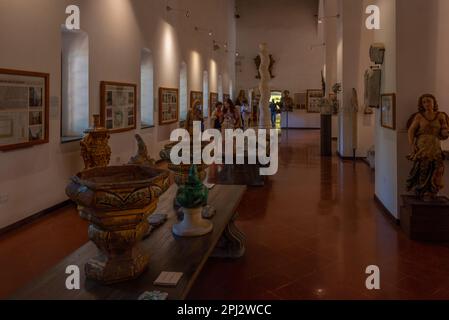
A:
194	193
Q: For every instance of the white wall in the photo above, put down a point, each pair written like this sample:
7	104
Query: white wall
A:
347	58
423	60
290	28
386	188
34	179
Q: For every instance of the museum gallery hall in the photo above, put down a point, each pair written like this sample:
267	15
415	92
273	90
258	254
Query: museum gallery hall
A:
224	150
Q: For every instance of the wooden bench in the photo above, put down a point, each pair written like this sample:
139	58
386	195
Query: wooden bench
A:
167	253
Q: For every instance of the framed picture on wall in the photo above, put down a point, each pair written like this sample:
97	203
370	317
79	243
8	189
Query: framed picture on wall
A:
388	111
24	109
313	100
168	105
300	100
194	96
213	101
118	106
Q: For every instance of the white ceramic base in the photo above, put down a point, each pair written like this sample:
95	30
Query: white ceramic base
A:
193	224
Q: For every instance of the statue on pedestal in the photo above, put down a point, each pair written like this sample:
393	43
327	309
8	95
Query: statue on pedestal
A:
426	130
264	87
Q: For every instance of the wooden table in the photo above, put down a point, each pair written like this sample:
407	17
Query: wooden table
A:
168	253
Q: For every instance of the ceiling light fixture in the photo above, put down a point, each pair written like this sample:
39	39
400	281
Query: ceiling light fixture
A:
185	11
209	32
317	45
321	19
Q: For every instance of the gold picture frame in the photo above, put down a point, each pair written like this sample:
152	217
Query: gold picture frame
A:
313	100
24	119
388	111
118	106
168	105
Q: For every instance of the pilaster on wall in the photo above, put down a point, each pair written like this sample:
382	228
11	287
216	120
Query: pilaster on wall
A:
347	58
350	23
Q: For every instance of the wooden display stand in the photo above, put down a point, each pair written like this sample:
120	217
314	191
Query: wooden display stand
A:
425	221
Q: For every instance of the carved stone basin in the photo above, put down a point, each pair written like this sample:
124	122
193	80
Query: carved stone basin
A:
181	171
117	202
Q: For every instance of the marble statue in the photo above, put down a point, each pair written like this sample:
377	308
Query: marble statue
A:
426	129
264	87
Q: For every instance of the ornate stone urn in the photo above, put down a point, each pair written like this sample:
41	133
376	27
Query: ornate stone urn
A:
117	202
94	146
181	171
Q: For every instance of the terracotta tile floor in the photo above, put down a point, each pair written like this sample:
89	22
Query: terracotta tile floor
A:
311	232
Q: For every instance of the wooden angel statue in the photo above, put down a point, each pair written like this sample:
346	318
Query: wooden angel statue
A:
426	129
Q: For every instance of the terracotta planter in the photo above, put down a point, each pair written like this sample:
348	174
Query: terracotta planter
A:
117	202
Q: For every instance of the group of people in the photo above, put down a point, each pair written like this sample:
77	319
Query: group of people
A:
228	115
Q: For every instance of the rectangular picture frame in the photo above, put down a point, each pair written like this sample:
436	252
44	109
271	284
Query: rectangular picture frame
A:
313	100
388	111
24	118
168	105
118	106
197	95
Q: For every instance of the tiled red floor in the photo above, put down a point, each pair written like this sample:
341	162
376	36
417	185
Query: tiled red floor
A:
311	233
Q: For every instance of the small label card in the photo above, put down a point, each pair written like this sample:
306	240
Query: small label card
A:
168	279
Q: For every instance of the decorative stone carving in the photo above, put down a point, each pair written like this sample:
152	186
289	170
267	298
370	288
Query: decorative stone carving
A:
117	202
181	171
142	157
94	146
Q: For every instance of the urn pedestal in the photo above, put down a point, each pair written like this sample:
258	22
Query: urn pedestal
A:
117	202
193	224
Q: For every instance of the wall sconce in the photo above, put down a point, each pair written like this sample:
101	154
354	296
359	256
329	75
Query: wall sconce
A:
218	46
317	46
322	19
185	11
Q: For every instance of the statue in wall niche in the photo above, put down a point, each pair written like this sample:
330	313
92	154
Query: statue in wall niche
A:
142	158
195	114
354	101
94	146
426	129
